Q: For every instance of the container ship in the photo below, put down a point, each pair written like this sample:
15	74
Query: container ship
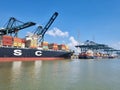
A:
33	46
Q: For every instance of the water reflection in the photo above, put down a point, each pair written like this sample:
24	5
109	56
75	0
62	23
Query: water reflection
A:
37	68
16	70
60	75
16	65
5	75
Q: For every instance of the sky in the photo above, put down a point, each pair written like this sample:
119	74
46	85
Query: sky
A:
78	20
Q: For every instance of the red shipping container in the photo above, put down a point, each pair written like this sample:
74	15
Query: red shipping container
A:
7	44
23	40
7	39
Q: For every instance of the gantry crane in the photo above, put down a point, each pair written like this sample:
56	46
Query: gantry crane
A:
13	27
40	31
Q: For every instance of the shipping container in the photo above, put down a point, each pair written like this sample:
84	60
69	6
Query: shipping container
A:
44	43
6	43
45	47
17	42
27	43
66	47
53	46
6	40
14	43
31	43
23	40
7	37
62	47
23	45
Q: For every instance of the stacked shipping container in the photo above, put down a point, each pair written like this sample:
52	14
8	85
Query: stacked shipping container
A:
53	46
30	42
44	45
67	48
33	43
11	41
62	47
23	43
17	42
7	40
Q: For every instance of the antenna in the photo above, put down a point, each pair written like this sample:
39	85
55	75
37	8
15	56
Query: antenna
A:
93	38
78	36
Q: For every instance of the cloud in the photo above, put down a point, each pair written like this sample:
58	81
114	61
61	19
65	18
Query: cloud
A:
57	32
73	43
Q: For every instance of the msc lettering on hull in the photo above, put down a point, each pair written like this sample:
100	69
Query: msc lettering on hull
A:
18	52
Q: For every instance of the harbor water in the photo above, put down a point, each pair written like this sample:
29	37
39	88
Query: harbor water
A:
61	75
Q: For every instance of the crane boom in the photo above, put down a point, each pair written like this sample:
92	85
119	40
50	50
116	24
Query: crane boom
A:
25	25
41	31
11	21
49	23
12	28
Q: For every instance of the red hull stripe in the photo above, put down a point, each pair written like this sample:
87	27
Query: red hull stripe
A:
7	59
